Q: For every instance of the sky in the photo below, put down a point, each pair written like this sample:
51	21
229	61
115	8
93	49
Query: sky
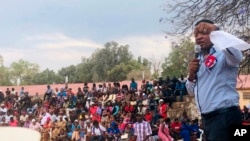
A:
58	33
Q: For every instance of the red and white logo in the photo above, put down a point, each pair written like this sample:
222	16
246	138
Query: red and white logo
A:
210	61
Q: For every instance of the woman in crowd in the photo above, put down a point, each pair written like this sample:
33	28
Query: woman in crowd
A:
164	131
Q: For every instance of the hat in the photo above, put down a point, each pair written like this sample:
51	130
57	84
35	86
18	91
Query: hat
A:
76	120
33	120
161	100
87	121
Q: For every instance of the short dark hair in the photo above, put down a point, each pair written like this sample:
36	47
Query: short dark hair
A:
95	122
205	21
168	120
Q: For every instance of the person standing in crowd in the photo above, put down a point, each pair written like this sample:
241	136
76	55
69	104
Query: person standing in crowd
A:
212	78
21	93
48	93
142	129
133	85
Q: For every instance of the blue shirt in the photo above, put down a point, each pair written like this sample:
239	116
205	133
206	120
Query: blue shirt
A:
113	131
133	86
215	88
64	94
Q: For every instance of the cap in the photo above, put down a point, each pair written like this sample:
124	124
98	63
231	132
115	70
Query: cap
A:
161	100
76	120
33	120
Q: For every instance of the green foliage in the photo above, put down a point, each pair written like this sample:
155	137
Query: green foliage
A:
4	76
23	71
105	59
47	77
114	62
176	63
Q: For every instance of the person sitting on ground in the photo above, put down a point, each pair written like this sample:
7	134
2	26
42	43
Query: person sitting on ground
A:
62	136
185	130
13	122
164	130
75	131
34	125
98	131
176	129
194	127
113	132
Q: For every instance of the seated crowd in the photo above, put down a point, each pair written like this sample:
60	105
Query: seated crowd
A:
103	113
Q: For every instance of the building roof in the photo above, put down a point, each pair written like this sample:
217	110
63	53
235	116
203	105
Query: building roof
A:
243	82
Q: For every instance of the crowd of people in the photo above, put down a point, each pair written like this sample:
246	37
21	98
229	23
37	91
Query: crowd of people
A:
102	112
105	112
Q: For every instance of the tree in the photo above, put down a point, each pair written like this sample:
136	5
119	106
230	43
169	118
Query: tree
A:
85	71
176	63
4	76
47	77
23	71
232	15
69	72
107	58
156	67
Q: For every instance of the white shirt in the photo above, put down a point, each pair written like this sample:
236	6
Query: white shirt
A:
4	110
7	118
44	118
98	131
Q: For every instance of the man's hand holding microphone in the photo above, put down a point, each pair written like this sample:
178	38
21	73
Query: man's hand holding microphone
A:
194	64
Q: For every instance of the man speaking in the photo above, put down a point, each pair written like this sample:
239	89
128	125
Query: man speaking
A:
212	78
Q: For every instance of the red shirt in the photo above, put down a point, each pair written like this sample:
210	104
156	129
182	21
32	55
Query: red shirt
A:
148	117
92	110
162	108
129	108
176	126
14	123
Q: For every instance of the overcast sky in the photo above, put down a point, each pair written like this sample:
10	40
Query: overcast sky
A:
57	33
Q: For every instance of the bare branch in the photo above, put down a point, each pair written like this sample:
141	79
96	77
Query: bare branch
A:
228	14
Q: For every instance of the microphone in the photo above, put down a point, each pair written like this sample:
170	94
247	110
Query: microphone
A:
197	50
